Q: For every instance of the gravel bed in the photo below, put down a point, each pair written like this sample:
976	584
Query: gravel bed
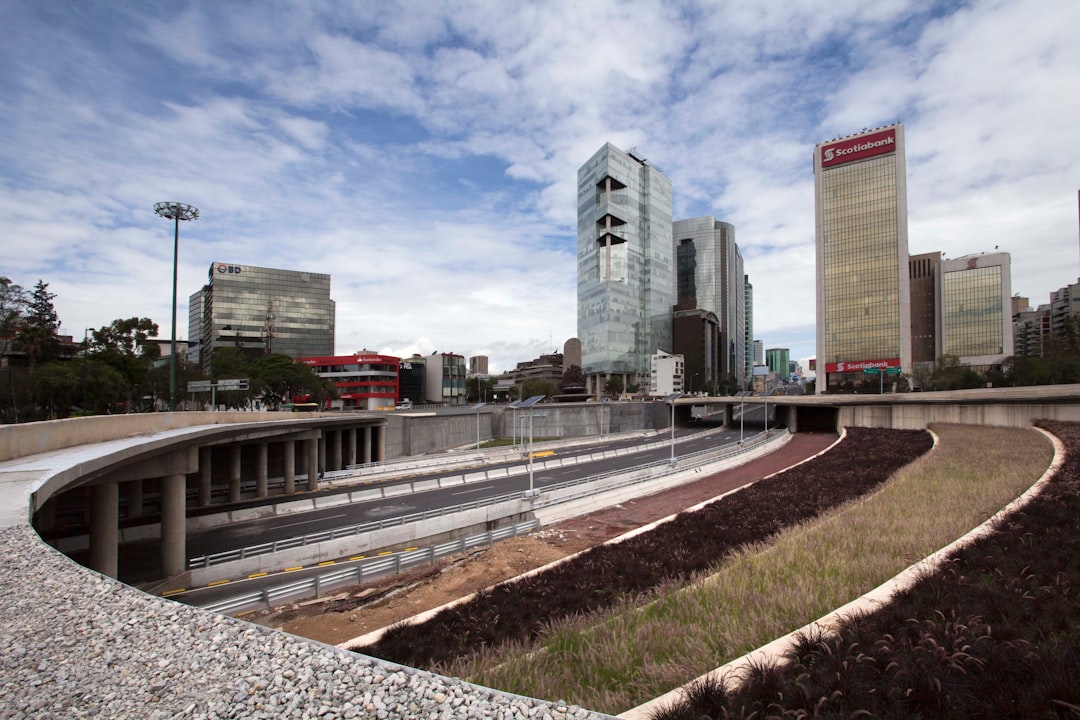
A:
75	644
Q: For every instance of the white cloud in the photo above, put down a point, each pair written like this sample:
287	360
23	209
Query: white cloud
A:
428	160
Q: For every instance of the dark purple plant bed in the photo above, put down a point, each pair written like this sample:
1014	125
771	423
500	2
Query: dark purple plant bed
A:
995	633
691	543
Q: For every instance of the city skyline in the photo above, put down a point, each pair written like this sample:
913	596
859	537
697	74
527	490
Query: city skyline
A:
428	161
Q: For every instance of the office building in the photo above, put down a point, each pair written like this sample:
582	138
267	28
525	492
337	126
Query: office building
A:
924	278
263	310
748	333
624	275
977	309
863	296
666	374
696	334
478	365
365	380
444	378
709	276
778	361
759	353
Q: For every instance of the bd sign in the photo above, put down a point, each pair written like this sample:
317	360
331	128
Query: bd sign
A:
860	148
861	365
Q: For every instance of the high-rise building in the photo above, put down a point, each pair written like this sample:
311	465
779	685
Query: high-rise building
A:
779	361
625	283
709	276
478	365
696	334
863	296
748	335
759	353
977	309
263	310
924	278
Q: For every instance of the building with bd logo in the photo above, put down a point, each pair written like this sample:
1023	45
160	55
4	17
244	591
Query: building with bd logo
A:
260	311
863	292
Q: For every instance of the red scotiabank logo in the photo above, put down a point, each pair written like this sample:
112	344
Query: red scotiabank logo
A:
879	143
860	365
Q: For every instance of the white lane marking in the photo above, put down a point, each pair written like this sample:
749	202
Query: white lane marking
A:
305	522
479	489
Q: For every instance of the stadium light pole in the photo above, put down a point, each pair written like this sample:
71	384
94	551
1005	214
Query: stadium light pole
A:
176	212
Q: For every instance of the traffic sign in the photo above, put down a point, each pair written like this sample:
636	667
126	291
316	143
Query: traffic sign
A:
870	371
894	370
198	386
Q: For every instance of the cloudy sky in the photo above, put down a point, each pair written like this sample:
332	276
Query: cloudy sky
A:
425	153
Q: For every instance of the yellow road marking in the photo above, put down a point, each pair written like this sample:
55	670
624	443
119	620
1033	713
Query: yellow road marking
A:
358	557
217	582
326	562
256	575
167	593
299	567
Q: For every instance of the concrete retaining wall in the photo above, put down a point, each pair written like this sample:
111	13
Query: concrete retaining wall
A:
917	417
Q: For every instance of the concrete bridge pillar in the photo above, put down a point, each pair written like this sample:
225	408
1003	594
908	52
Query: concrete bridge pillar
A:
104	527
234	473
367	443
173	525
379	441
320	452
261	462
350	437
204	476
729	414
312	453
288	450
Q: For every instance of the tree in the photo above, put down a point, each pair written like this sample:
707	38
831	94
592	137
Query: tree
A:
12	306
613	386
39	334
573	380
57	388
478	389
124	345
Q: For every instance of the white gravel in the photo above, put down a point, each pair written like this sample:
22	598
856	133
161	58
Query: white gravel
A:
76	644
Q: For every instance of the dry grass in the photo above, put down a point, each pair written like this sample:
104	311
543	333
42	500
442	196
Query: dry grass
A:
618	659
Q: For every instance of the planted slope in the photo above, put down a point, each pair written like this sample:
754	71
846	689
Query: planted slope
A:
673	552
994	633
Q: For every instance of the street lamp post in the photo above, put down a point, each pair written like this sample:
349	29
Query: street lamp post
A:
477	409
176	212
671	400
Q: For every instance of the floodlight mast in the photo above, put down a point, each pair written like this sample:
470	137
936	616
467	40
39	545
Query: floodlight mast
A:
176	212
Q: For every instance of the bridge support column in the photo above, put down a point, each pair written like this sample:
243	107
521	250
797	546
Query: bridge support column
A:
729	415
288	449
104	527
204	476
173	525
321	452
234	473
379	442
261	483
350	446
367	444
313	446
135	499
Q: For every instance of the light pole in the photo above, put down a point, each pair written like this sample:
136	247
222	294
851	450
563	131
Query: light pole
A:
176	212
477	407
671	400
527	405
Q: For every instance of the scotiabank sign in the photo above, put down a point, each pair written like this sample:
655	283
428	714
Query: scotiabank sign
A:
860	365
864	146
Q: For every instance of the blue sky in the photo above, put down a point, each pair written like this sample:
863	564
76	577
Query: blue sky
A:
425	154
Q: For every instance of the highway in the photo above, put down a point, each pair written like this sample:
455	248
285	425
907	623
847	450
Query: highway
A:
136	559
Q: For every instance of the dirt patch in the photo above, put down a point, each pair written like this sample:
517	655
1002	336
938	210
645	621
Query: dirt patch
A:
362	609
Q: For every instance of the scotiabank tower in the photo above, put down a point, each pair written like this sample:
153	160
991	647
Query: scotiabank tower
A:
863	297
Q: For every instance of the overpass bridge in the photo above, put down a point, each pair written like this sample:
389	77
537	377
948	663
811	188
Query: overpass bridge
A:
74	640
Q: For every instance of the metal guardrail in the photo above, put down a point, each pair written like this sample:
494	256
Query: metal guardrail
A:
363	571
635	475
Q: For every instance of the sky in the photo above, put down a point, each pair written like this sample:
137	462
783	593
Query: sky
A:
425	154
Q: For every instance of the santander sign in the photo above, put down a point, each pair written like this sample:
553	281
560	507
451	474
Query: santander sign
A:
864	146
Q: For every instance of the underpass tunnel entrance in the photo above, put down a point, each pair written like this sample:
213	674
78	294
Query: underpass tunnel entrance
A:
816	419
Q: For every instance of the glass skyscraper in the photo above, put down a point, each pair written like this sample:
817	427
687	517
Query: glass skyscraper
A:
977	308
625	282
863	295
709	276
264	310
